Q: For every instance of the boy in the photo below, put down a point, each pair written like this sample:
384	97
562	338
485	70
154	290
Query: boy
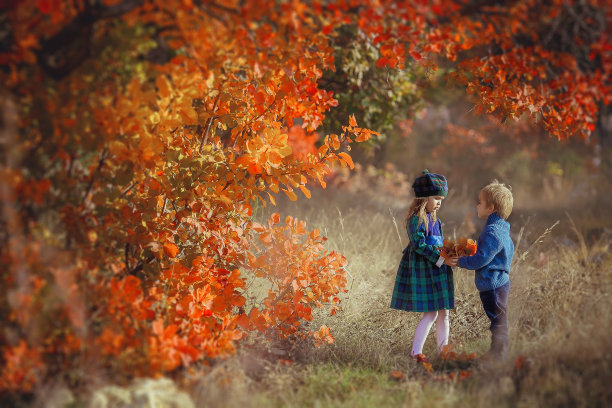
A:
492	262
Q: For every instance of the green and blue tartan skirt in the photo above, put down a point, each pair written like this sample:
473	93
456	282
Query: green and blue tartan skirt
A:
420	286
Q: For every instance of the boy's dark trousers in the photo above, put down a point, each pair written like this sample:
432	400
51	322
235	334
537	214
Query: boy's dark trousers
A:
495	304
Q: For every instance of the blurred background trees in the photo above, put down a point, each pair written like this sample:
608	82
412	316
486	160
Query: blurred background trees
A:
536	111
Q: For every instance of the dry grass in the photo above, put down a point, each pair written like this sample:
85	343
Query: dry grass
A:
558	313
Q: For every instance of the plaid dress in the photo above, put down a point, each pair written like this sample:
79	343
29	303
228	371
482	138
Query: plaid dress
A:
420	286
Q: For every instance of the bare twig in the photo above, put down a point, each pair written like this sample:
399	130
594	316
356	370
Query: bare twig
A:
396	228
127	190
210	121
127	261
93	176
520	258
583	248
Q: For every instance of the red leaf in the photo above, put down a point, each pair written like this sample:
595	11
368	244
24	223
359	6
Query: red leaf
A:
519	362
382	61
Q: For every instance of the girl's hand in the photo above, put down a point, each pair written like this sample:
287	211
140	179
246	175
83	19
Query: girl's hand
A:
451	261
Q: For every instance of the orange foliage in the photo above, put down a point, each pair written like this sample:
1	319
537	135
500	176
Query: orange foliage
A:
132	250
448	354
516	58
128	189
22	366
463	247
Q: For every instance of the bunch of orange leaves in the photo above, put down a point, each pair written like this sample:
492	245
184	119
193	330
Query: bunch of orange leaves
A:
462	247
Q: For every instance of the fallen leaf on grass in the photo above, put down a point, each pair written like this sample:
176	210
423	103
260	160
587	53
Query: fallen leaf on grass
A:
448	354
464	374
518	363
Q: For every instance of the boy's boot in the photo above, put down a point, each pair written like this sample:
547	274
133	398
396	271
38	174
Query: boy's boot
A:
499	345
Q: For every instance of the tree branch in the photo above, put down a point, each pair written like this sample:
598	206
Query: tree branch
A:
78	30
210	121
93	176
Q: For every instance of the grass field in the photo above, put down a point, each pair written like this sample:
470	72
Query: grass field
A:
558	312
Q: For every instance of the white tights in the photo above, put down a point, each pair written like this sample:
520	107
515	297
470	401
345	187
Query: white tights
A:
422	329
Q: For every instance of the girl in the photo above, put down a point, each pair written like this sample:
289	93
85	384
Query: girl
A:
424	281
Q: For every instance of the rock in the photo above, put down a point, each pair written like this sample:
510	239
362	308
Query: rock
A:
61	397
143	393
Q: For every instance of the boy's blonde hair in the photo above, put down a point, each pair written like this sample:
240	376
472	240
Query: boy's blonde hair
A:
500	196
418	208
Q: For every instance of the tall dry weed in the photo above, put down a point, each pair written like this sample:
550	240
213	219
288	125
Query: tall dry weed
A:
558	313
558	306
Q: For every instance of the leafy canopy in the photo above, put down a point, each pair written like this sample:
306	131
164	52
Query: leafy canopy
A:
140	134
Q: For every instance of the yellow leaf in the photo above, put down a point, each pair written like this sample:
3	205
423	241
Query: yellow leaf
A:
285	151
305	191
296	180
154	118
163	86
352	121
335	142
290	194
272	200
189	115
347	159
225	199
210	82
263	202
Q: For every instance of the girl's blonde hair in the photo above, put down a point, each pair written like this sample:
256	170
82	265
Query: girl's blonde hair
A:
418	208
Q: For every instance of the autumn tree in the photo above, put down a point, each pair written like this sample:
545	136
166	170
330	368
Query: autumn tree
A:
139	137
138	134
548	60
378	96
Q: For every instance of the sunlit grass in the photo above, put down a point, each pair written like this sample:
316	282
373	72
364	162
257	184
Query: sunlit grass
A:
558	313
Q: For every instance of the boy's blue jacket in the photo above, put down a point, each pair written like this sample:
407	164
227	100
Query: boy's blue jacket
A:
494	255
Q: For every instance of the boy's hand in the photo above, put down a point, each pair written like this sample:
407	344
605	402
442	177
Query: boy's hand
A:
451	260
